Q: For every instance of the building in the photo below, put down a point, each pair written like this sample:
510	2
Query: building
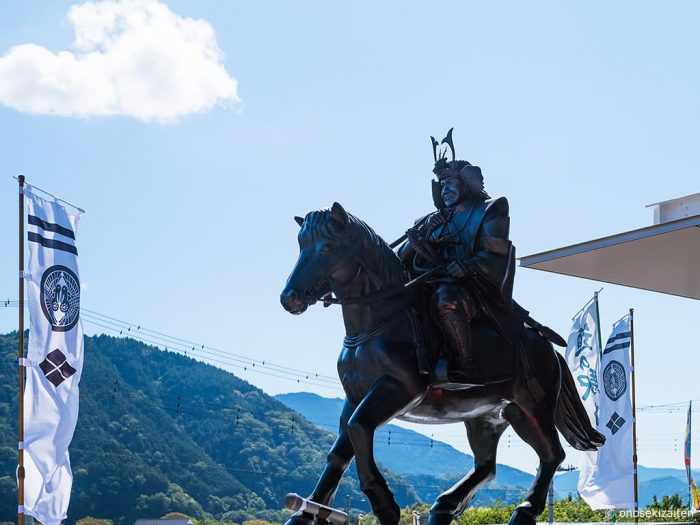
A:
664	257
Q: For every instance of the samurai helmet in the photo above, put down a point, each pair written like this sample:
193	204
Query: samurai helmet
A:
470	175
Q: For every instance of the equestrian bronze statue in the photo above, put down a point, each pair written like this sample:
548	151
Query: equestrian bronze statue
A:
434	336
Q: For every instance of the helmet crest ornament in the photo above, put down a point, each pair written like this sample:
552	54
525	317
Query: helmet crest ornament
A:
443	154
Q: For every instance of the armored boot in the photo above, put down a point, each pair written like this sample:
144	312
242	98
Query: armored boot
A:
459	368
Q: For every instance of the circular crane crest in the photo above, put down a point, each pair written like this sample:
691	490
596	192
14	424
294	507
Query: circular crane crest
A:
60	297
614	380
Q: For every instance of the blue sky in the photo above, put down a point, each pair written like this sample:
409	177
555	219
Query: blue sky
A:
581	113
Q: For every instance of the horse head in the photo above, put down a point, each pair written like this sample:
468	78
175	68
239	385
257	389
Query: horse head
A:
326	257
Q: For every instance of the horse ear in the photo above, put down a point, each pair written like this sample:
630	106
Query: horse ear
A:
299	220
339	213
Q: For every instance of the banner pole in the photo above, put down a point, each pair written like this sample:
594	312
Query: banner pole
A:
597	323
20	352
634	420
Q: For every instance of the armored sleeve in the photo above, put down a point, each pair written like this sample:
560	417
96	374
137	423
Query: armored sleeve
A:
492	248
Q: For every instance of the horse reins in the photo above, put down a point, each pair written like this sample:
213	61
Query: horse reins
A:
328	299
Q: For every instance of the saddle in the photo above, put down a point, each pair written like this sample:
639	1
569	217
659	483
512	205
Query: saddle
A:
497	357
494	356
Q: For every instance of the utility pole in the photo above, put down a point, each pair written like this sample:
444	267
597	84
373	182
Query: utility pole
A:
551	491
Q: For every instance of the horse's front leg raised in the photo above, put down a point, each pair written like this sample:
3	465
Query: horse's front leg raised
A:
385	399
338	460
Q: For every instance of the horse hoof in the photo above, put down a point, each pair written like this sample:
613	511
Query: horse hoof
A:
388	515
300	518
522	516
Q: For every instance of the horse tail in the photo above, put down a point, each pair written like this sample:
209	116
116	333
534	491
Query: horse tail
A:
570	416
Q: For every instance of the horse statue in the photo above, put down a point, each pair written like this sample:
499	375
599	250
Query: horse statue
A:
382	371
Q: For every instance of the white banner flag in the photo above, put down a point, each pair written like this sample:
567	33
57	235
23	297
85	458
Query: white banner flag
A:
54	358
611	484
582	356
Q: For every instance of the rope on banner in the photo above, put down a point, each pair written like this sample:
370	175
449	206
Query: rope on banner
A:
22	192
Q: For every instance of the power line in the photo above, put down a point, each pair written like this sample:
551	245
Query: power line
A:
197	346
245	363
208	359
93	317
388	436
188	347
180	407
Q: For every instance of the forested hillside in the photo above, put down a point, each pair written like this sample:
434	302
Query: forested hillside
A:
160	432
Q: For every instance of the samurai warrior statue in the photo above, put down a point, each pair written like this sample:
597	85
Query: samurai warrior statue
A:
468	238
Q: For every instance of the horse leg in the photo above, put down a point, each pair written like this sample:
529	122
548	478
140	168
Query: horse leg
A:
337	462
386	398
483	434
536	427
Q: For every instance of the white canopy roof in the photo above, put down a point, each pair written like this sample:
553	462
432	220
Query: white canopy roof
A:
662	258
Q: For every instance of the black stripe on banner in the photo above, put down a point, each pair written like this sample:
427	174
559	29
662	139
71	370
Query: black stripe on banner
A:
51	227
51	243
621	335
618	346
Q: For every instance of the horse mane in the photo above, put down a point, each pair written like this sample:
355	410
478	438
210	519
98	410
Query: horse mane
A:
379	261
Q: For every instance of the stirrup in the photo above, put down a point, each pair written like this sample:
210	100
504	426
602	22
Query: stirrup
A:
441	377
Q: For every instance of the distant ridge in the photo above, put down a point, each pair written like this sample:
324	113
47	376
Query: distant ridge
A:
442	464
412	454
398	448
652	482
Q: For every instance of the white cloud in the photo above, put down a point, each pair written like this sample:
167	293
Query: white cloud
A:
131	57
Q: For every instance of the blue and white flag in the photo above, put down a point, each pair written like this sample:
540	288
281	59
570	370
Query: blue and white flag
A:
582	356
611	483
694	492
54	360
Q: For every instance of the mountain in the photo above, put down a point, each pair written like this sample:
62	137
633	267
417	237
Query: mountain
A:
660	487
400	449
160	432
652	482
430	465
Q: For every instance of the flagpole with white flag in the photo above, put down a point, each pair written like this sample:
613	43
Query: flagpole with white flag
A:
610	483
634	419
20	362
597	316
583	357
694	493
54	362
687	449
